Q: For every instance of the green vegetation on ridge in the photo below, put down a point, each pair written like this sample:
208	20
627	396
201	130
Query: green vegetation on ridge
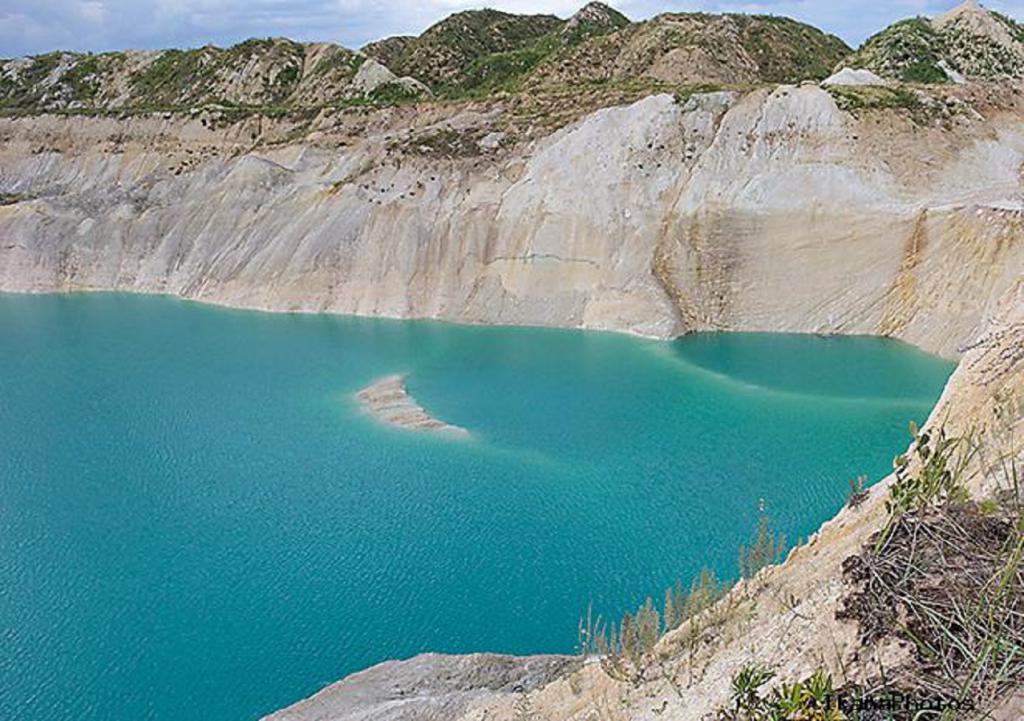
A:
909	50
450	46
788	51
258	73
969	43
552	70
470	55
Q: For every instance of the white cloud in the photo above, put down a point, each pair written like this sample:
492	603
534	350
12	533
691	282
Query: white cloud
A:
92	11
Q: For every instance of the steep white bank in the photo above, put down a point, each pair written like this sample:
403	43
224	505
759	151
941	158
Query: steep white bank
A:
771	211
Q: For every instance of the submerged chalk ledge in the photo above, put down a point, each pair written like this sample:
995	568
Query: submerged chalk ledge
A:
388	400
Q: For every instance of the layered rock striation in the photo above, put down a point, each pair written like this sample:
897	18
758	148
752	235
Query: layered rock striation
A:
771	210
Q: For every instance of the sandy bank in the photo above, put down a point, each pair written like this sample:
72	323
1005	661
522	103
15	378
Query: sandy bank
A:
388	400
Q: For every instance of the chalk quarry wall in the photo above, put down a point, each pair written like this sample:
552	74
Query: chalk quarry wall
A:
770	211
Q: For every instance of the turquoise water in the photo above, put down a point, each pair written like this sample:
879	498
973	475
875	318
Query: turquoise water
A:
197	522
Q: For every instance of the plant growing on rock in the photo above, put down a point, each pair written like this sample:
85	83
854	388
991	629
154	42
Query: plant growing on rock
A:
626	647
813	699
765	549
936	478
858	492
745	687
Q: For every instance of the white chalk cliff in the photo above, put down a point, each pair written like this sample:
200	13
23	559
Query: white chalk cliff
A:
771	211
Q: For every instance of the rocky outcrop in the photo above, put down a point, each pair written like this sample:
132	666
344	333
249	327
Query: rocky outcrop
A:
427	688
374	76
592	19
849	77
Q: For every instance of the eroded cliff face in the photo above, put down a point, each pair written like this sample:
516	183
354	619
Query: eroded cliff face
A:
769	211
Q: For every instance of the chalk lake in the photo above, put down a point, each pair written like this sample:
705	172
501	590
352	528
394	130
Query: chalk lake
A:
198	522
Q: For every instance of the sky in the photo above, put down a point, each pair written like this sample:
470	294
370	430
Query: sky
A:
37	26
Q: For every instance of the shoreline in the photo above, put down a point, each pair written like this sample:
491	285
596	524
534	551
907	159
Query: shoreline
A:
962	349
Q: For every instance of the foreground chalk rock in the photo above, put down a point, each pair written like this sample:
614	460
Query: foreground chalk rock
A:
427	687
388	399
851	77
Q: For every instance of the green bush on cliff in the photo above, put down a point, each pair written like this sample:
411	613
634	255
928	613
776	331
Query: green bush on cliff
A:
287	78
938	476
924	72
813	699
393	94
919	107
945	576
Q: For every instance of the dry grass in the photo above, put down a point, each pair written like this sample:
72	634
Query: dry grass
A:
946	577
950	581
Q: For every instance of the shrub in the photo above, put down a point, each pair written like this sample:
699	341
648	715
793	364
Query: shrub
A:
625	647
858	492
393	94
499	71
938	476
922	109
924	72
946	574
766	547
813	699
